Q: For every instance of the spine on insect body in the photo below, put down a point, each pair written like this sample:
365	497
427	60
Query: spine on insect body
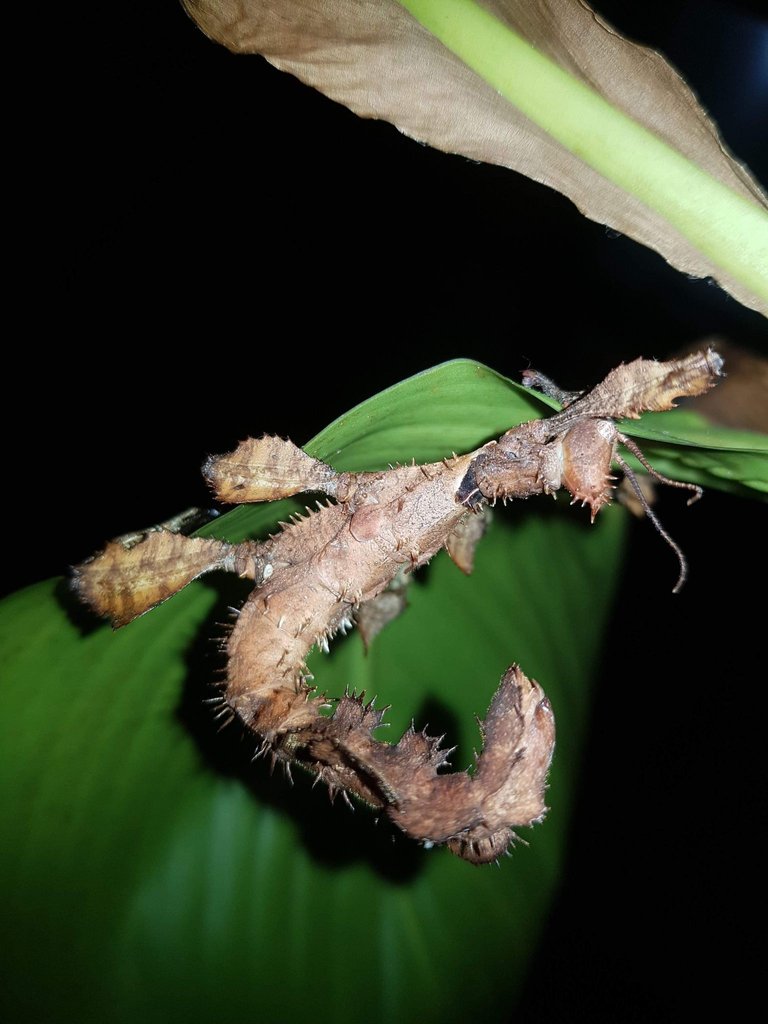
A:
317	575
348	563
343	557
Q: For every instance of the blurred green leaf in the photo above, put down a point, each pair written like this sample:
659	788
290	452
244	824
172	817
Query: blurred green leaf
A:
152	873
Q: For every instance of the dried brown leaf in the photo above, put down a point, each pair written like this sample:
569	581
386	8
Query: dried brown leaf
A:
380	62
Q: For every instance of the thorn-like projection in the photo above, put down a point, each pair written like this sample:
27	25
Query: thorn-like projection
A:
349	561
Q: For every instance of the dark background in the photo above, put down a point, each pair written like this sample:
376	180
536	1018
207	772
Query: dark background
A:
173	197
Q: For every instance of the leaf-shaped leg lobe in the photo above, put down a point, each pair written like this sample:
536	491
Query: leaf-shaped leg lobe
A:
267	468
372	616
124	581
462	543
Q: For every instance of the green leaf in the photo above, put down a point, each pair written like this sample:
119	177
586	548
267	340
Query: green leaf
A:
152	873
683	445
455	406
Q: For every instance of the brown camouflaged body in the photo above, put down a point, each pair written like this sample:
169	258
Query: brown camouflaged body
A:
347	564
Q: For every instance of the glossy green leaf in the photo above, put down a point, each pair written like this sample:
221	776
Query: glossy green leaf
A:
475	404
151	872
683	445
456	406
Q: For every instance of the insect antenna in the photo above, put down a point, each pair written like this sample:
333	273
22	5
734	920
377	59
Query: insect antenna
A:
635	484
630	445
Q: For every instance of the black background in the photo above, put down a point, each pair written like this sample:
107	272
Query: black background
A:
188	218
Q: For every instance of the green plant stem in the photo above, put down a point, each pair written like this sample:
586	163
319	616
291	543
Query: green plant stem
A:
723	225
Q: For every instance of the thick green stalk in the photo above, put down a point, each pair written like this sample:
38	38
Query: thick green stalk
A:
724	226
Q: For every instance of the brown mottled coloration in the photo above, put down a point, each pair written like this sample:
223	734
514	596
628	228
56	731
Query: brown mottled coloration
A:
348	563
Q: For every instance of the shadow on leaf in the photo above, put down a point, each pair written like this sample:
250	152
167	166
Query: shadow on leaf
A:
335	835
